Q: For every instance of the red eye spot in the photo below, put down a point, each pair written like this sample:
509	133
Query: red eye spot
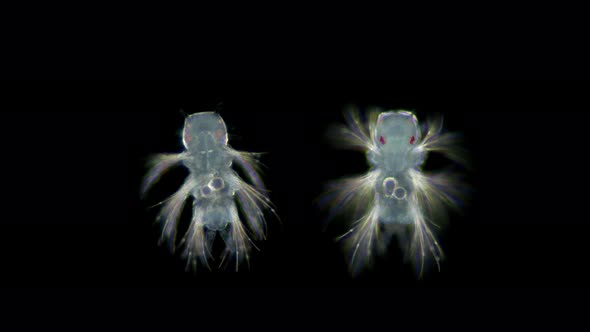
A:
381	140
412	139
187	137
219	133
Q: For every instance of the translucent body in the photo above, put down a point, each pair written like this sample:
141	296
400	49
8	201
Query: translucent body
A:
217	190
393	157
395	197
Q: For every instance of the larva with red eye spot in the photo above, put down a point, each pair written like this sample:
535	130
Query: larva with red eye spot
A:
217	190
395	197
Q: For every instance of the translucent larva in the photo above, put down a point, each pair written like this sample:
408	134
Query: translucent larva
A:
217	190
395	197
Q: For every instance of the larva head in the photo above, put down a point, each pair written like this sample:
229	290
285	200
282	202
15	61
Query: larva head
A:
396	131
204	129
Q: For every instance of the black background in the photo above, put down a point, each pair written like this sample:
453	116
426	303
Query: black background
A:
74	153
77	242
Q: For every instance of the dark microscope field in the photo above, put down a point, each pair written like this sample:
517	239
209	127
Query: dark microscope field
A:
75	153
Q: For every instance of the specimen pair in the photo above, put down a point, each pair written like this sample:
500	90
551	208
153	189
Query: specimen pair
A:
394	198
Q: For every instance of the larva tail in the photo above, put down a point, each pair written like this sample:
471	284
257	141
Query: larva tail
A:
209	218
198	241
158	165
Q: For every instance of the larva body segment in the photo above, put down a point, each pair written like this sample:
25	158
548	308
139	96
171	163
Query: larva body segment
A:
217	190
396	197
